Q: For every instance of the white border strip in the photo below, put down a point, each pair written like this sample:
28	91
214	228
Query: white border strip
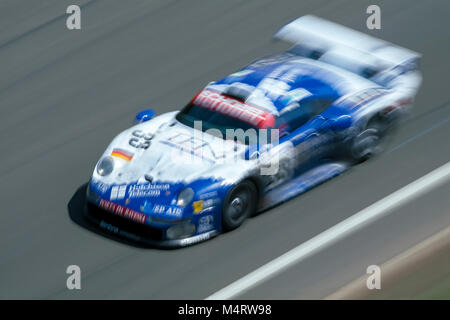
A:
335	233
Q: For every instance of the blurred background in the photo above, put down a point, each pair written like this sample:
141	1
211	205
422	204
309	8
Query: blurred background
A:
64	94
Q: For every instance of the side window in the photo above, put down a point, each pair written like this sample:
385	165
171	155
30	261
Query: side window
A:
295	116
320	105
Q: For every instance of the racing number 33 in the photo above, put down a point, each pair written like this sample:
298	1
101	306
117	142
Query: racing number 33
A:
140	139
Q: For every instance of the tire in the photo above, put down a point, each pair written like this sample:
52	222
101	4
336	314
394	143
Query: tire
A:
372	141
239	204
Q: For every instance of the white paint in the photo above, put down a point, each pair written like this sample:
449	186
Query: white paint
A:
335	233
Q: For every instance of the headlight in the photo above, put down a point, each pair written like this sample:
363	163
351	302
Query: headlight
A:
180	231
185	197
105	166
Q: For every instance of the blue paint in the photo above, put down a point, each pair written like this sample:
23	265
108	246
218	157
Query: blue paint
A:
144	115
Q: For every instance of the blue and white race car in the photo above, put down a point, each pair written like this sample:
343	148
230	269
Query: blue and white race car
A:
255	138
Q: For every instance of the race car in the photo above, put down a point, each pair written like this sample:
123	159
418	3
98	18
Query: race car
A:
255	138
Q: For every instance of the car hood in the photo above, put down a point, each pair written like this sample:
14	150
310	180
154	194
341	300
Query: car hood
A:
163	149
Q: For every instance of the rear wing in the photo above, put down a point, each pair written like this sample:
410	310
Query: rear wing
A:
346	48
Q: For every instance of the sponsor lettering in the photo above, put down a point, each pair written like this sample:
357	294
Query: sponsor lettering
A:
122	211
201	206
200	237
118	192
233	108
167	210
205	223
208	195
147	190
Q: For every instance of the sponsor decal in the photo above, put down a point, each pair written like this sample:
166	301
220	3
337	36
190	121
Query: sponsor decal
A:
140	139
167	210
202	205
113	229
122	211
195	239
198	206
118	192
122	154
355	101
234	108
205	223
210	202
209	195
185	140
191	145
147	190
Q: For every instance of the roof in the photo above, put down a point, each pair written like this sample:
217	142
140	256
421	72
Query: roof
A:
277	82
217	102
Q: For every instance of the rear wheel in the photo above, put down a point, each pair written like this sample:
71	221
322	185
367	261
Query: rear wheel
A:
372	141
239	204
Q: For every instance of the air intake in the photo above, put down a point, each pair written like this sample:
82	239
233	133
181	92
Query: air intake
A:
239	93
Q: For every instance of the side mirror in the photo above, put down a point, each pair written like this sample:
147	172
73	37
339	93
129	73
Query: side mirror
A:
341	123
144	115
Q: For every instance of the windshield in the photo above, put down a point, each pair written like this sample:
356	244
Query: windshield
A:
215	120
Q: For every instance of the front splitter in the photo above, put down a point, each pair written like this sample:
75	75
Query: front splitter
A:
166	244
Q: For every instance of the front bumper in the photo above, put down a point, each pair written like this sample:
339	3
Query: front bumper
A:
141	233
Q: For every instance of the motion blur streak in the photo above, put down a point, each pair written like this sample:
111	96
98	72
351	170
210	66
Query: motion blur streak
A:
375	211
65	94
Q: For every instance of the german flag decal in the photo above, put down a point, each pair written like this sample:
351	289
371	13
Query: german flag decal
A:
122	154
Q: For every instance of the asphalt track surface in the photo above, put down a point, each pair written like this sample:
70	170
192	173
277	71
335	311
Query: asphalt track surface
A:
65	94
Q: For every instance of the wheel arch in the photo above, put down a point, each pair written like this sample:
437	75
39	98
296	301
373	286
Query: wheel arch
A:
258	184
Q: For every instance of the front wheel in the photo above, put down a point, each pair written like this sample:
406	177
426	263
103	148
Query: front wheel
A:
239	204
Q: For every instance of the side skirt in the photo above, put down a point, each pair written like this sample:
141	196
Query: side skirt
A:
302	183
